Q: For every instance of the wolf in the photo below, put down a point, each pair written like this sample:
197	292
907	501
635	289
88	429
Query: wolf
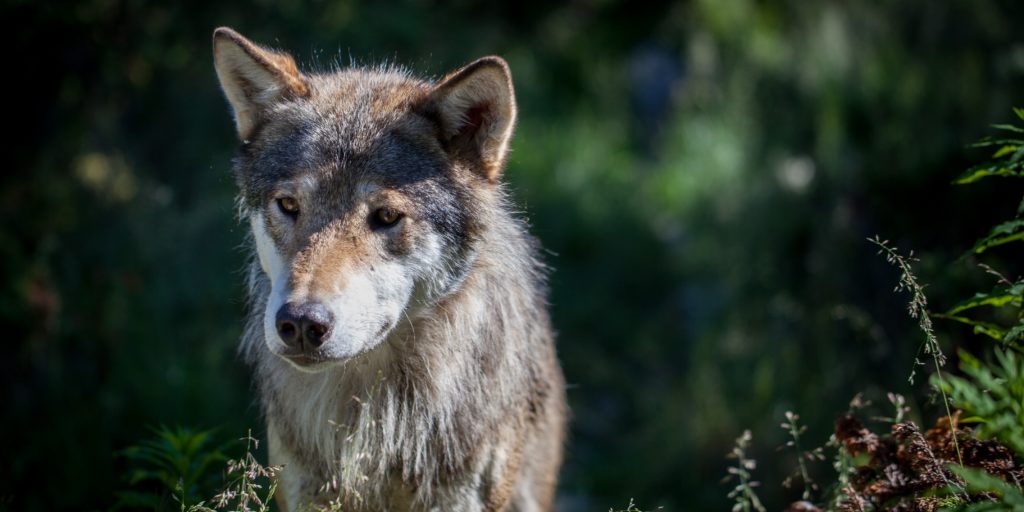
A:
398	327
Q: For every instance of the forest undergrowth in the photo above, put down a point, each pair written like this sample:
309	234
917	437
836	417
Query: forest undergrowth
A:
969	458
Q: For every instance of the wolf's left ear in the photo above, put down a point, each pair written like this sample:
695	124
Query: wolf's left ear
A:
253	78
476	109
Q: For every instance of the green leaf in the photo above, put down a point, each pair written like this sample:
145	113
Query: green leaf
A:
972	419
968	361
1004	233
179	459
992	331
989	329
1007	150
991	394
978	481
1008	127
997	298
1014	334
988	142
978	172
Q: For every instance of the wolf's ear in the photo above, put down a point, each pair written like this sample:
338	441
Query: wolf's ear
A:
476	109
253	78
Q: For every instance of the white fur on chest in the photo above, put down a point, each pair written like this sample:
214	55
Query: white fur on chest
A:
358	435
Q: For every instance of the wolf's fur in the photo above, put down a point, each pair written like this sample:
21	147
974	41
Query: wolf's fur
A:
439	387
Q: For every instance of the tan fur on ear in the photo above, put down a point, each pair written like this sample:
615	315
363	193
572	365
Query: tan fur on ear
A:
476	107
253	78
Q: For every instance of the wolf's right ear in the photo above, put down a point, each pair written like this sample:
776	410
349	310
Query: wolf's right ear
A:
253	78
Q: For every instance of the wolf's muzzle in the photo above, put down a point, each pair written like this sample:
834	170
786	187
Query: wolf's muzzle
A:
304	326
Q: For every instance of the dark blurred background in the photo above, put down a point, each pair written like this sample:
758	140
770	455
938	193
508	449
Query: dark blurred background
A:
703	174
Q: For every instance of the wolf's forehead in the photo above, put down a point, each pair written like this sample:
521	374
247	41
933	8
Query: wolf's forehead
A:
359	99
356	126
354	113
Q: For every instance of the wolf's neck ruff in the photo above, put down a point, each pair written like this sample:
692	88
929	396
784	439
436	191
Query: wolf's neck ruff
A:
397	322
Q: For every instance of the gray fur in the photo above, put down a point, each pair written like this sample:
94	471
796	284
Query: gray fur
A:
461	404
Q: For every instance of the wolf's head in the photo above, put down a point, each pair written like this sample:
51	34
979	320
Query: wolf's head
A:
365	190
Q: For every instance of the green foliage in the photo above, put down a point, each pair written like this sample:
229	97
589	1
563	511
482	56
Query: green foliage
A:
1007	160
1008	295
179	469
1004	496
992	396
1009	231
997	298
176	463
990	393
910	469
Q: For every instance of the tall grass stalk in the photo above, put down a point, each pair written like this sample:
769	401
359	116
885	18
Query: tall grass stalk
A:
744	497
918	309
795	430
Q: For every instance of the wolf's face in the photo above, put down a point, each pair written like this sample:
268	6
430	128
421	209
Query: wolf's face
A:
361	189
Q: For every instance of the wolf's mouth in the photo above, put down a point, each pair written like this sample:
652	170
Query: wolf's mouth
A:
302	359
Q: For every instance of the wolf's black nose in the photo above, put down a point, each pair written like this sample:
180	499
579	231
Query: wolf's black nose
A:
304	325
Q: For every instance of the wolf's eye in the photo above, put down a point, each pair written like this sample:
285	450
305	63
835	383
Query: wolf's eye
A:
387	217
288	205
